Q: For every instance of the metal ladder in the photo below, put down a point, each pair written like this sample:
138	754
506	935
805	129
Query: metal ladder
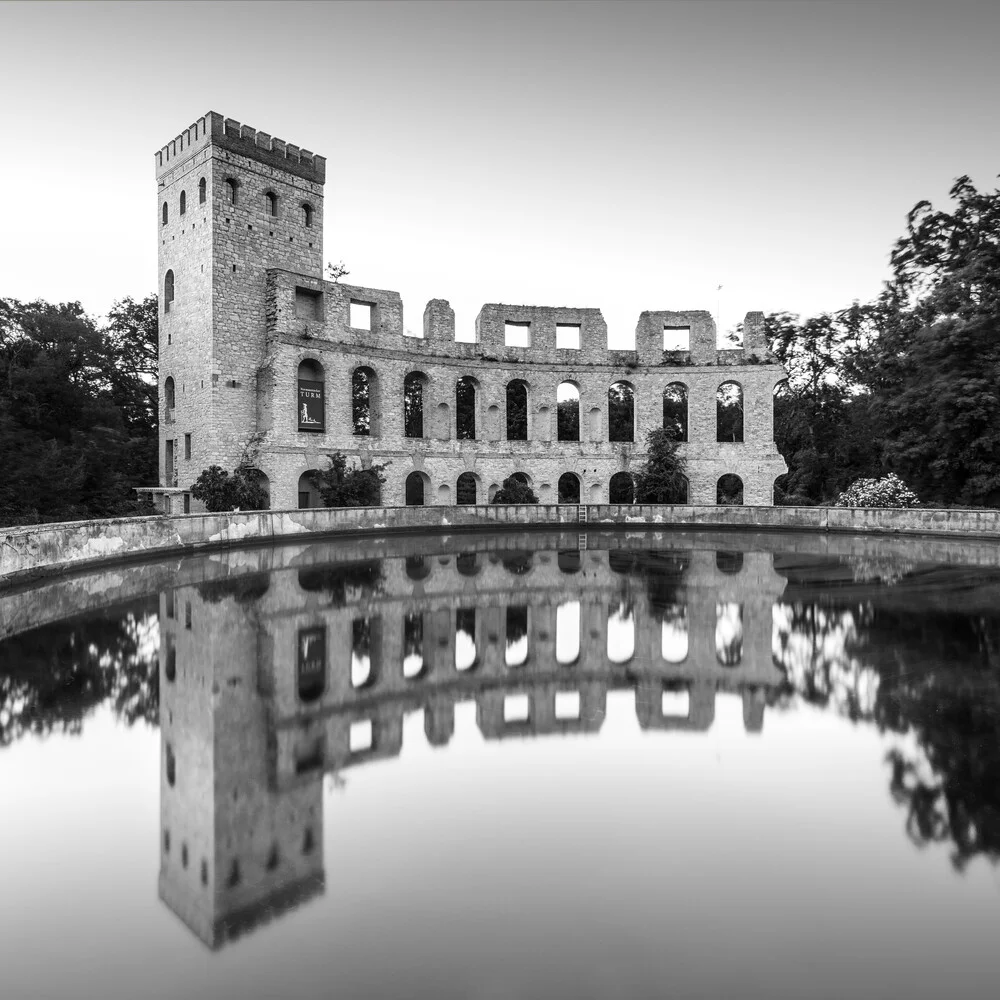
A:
581	516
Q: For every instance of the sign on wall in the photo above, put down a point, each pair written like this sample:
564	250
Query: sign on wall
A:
310	405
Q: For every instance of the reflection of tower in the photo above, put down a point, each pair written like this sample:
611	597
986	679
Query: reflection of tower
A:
234	851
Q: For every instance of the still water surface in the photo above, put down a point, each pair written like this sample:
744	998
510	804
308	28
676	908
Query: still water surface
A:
664	764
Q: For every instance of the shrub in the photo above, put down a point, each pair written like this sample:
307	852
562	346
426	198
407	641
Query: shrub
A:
889	491
514	491
340	486
219	491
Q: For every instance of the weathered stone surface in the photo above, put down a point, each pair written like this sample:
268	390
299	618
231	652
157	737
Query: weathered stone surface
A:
250	305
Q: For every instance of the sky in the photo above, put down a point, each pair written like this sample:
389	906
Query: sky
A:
612	155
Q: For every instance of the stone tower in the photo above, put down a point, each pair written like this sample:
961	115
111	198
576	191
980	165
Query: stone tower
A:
231	203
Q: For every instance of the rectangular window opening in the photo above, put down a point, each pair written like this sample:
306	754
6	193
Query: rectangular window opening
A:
676	704
361	736
517	335
677	338
187	445
568	336
308	304
567	704
361	315
516	708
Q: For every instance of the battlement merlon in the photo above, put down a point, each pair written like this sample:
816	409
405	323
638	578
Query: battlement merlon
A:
214	129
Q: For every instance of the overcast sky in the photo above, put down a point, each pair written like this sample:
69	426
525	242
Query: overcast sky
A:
622	156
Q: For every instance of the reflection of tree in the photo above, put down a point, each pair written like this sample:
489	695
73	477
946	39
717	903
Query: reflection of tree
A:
934	675
361	579
51	678
243	589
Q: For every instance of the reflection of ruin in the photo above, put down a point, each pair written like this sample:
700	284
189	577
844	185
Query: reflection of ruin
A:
268	682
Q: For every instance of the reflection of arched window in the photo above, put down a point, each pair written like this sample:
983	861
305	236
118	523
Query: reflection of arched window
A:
183	204
202	187
674	633
621	488
171	667
414	489
568	411
364	401
465	408
675	410
312	393
364	671
467	563
413	645
309	495
569	560
168	393
517	410
516	646
168	290
171	766
311	663
465	639
465	489
729	412
569	488
729	634
417	568
413	404
621	634
729	491
621	412
568	632
728	562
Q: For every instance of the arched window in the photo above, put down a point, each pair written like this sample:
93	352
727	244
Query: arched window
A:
307	215
171	666
309	495
263	484
166	213
168	392
674	633
364	401
271	201
729	412
727	561
569	488
184	202
311	402
413	404
621	488
465	489
202	188
568	412
729	491
416	489
232	187
621	412
171	766
465	408
675	411
517	410
168	290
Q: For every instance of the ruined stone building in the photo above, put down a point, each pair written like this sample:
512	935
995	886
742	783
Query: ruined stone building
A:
263	360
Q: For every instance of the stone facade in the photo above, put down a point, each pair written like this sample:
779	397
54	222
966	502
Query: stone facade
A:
251	315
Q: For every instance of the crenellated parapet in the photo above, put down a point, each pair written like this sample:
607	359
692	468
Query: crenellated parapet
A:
227	133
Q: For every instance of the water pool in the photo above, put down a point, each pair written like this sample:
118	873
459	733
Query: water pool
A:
614	764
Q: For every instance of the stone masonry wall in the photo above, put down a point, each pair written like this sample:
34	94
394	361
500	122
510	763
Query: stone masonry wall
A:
250	305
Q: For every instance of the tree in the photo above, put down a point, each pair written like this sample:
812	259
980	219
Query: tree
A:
661	479
337	271
340	486
219	491
77	411
514	490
